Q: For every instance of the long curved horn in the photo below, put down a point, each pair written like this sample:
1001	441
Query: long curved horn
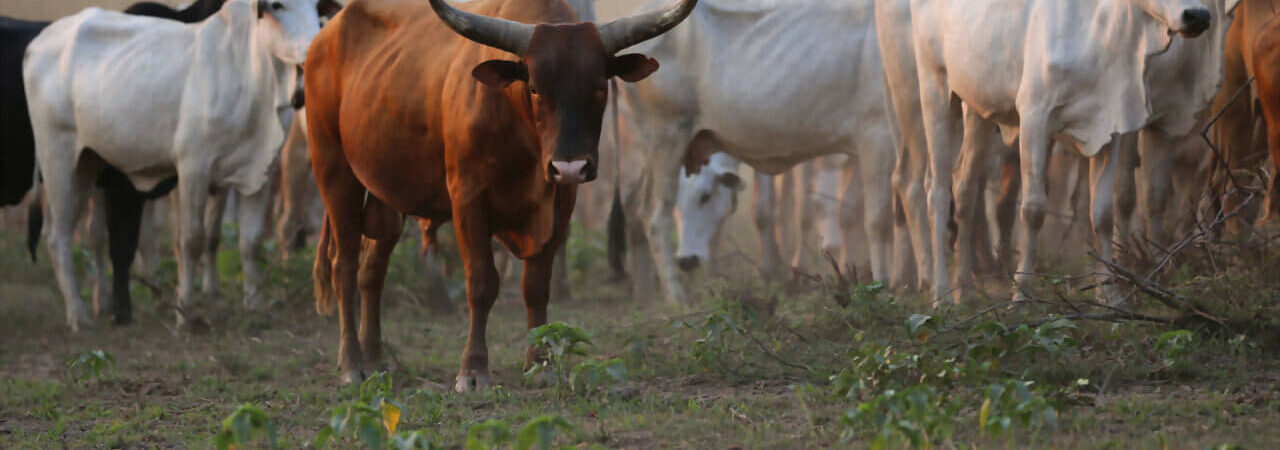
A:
498	33
632	30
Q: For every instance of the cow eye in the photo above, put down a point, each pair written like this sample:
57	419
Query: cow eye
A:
277	6
533	90
706	197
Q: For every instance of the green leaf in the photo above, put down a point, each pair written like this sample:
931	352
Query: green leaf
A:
919	325
323	437
371	433
224	440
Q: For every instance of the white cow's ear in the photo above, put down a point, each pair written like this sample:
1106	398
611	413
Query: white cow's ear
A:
730	180
632	67
1230	6
499	73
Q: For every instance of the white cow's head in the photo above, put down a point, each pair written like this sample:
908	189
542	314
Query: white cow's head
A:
291	24
1186	17
704	202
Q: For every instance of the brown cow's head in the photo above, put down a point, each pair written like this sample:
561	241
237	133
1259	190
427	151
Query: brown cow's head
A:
566	70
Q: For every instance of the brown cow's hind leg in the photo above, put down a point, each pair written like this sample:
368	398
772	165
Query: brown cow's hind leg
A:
372	277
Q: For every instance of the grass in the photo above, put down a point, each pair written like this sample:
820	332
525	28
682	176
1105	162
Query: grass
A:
745	365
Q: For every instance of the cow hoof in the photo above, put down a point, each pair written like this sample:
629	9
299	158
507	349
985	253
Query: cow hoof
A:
1019	297
81	325
254	303
353	377
121	320
472	381
191	324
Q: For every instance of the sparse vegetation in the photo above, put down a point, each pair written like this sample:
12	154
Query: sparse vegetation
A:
828	362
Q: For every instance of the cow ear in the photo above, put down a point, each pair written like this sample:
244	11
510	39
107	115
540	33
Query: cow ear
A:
498	73
328	8
730	180
632	67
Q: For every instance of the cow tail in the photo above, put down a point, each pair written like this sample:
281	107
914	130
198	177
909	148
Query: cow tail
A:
322	273
35	222
617	225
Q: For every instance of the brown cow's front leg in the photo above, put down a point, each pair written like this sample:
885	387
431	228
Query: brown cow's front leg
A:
372	278
536	283
472	229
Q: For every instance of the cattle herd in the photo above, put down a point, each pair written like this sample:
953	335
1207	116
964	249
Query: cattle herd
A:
921	135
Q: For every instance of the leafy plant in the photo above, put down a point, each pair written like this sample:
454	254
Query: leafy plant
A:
1010	401
245	425
539	433
918	416
90	364
588	376
1174	347
372	419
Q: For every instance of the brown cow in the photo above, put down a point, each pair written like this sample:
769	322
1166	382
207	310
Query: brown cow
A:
1235	130
406	115
1266	66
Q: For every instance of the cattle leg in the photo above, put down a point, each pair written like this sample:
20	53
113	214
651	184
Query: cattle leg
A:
941	115
857	258
1102	180
214	208
1124	189
536	284
372	278
975	161
193	188
804	212
1034	156
560	275
67	194
1006	209
124	209
1234	129
1157	184
251	211
643	278
96	232
661	226
153	217
474	244
762	208
876	166
893	23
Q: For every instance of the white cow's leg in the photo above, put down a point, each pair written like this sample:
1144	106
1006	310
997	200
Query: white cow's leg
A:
643	278
857	256
251	211
974	166
762	208
67	192
153	213
193	189
1124	190
1034	154
941	116
96	234
661	224
1157	183
785	206
214	208
876	167
1102	178
804	231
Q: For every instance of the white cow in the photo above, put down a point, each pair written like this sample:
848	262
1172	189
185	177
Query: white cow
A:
1042	70
707	199
770	85
154	98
